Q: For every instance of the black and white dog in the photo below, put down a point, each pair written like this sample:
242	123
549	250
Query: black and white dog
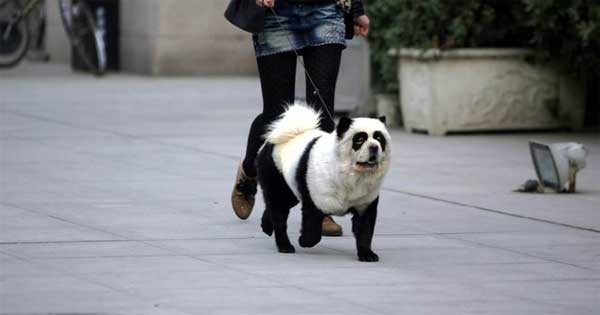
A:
330	173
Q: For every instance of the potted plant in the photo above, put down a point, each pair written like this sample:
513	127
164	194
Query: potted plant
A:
467	65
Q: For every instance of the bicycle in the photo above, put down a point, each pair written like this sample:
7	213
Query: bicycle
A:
86	39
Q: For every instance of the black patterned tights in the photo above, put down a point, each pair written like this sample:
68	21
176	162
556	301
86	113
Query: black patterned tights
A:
277	78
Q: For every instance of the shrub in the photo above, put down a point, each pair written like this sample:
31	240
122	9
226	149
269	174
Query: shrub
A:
565	29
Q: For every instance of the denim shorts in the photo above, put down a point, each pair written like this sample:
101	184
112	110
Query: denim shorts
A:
304	25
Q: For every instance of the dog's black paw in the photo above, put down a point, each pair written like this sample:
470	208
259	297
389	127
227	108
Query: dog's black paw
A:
309	241
267	228
286	249
266	224
368	256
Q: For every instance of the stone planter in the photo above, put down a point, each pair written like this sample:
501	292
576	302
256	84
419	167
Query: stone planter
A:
387	105
484	89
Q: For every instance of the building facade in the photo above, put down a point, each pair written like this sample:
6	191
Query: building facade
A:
169	37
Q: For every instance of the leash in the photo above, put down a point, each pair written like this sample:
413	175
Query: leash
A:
301	60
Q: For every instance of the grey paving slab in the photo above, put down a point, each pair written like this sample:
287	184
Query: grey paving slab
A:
443	217
466	170
394	255
291	299
393	298
580	255
140	283
576	247
534	239
114	199
532	271
84	249
78	299
14	267
127	264
572	296
20	225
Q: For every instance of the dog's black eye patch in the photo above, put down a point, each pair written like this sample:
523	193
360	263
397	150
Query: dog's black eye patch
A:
381	138
358	140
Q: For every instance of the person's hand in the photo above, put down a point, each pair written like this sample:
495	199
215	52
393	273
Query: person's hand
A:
361	25
265	3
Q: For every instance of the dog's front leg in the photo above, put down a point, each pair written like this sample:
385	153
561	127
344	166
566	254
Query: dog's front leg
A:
312	219
363	227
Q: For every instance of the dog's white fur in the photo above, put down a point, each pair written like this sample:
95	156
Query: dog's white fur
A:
335	182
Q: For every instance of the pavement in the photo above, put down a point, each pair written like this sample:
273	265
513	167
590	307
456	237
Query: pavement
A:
114	199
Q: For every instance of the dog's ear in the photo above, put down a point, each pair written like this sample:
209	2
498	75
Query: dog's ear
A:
343	126
382	119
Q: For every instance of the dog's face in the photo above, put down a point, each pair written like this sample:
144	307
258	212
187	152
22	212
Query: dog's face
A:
365	142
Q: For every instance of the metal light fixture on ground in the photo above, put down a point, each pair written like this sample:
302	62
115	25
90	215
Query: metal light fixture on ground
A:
557	165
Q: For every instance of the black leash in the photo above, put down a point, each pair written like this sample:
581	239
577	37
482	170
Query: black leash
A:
312	83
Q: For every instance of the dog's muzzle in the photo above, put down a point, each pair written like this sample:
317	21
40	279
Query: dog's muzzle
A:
372	162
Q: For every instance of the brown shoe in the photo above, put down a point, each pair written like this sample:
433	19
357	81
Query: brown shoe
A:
330	228
242	196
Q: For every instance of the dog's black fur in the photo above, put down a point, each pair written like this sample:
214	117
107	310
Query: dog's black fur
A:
278	197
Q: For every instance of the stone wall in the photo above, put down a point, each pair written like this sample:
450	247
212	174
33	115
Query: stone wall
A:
183	37
170	37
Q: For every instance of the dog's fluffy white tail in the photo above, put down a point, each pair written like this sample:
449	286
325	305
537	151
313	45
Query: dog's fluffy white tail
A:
296	120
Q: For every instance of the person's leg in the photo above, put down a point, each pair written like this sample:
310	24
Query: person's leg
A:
277	78
323	65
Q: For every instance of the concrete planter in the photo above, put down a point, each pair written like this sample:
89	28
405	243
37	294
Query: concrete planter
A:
387	105
484	89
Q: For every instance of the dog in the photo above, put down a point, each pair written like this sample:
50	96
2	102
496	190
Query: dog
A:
329	173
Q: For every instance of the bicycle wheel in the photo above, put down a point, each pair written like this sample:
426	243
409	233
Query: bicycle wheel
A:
86	39
14	39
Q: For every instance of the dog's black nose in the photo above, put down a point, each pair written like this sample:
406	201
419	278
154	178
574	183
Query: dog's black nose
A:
373	150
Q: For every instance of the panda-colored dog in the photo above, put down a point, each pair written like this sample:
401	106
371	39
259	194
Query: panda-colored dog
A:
330	173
